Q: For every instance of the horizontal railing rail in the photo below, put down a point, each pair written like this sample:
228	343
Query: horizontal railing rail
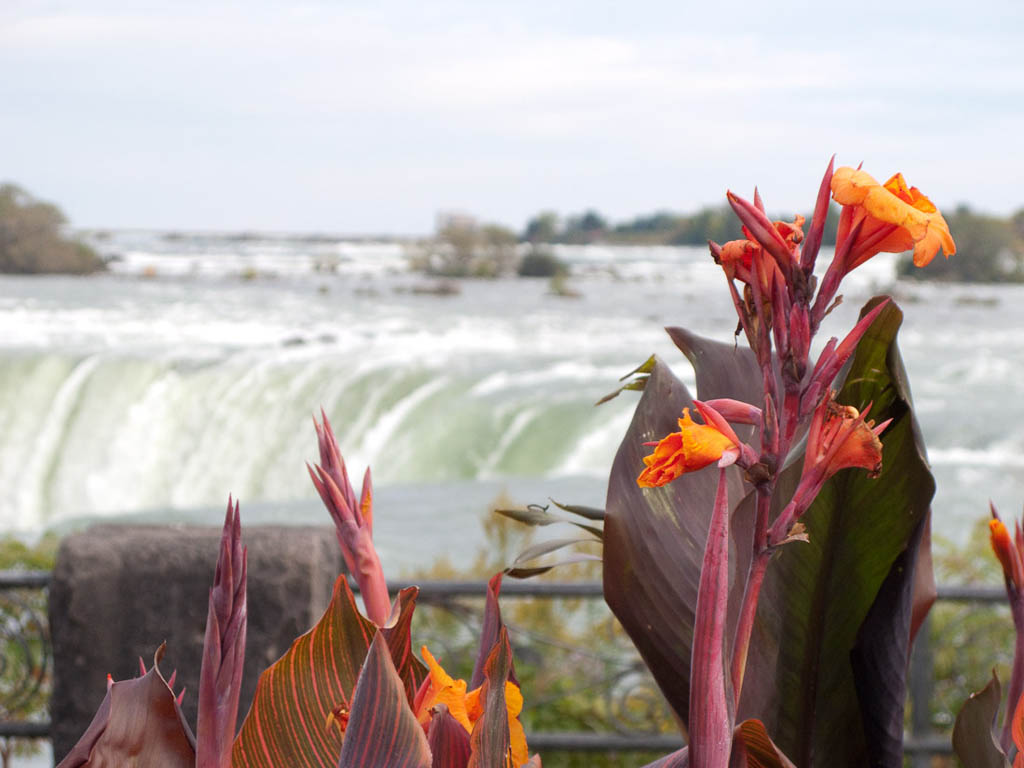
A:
919	745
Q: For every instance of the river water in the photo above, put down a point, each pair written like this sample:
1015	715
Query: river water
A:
192	369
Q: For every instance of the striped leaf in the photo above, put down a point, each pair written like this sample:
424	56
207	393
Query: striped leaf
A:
303	698
490	738
759	750
383	731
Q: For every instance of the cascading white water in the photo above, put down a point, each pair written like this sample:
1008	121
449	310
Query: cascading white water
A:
129	392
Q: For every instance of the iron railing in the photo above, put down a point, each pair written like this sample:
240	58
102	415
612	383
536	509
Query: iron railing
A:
27	660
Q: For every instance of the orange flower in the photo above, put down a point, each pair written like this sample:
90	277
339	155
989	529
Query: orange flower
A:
838	438
693	447
466	708
1006	551
895	218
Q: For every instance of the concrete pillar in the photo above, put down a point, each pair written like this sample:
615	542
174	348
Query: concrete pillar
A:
119	591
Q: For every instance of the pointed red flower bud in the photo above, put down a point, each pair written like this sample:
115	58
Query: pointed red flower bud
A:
220	678
353	522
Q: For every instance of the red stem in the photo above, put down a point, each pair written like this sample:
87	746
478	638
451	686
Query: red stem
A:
748	612
1013	693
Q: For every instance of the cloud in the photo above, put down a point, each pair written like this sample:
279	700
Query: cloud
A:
386	111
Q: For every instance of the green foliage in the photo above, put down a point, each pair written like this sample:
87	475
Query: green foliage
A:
541	263
463	247
988	250
968	640
542	228
32	239
24	685
659	228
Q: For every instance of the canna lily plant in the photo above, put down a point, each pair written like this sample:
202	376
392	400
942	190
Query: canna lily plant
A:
349	693
779	592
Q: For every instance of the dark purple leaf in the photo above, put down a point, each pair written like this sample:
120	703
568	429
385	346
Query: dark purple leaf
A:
138	725
448	740
382	730
975	739
654	538
879	659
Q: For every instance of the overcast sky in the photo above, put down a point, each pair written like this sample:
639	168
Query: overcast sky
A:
364	117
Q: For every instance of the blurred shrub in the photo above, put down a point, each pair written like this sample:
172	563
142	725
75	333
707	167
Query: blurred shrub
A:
462	247
32	238
541	263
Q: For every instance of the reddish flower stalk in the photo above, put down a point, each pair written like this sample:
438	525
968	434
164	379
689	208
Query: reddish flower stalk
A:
353	522
774	264
1011	557
711	718
220	678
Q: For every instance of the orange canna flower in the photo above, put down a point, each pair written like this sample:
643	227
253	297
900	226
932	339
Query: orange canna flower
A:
693	447
467	708
893	217
839	437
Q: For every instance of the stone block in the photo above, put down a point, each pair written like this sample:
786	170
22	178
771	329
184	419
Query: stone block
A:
119	591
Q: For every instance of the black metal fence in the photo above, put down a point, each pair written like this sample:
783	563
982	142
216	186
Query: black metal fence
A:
26	663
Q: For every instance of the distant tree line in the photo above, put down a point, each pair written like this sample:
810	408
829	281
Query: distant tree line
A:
33	240
989	249
716	223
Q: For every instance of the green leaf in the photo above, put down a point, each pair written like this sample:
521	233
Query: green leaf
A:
138	724
636	385
537	514
817	595
518	572
974	735
291	721
383	731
